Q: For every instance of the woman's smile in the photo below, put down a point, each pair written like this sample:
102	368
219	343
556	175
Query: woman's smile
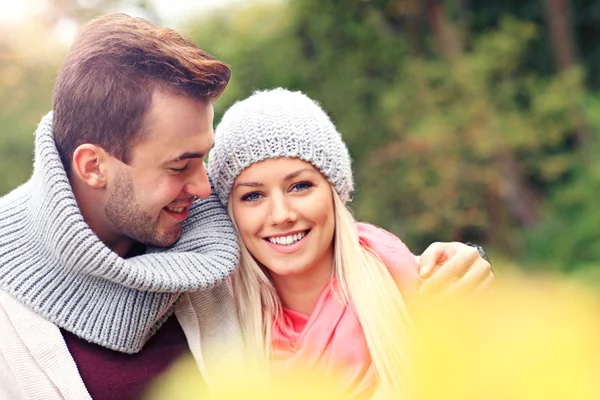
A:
288	244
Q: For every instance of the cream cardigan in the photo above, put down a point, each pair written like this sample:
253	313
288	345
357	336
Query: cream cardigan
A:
36	364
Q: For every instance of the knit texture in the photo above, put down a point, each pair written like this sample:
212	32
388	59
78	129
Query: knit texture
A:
53	263
278	123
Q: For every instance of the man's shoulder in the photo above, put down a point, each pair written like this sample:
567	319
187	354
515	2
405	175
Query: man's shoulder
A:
12	209
34	359
9	388
16	194
19	321
10	349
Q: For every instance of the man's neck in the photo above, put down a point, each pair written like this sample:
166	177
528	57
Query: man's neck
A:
136	249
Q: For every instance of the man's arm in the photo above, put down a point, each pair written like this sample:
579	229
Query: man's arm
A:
454	269
442	268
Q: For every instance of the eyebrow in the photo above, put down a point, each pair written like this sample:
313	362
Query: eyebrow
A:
285	178
187	155
297	173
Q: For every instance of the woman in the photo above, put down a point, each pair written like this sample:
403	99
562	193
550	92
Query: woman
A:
314	289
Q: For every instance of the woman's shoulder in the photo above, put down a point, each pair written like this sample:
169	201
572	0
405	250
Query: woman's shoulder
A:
396	256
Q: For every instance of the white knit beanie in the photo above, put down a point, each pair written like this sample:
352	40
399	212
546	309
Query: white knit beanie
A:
278	123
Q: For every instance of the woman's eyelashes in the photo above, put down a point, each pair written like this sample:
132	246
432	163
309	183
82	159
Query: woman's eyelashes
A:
295	188
252	196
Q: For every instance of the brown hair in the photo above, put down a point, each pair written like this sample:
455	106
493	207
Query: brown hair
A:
104	87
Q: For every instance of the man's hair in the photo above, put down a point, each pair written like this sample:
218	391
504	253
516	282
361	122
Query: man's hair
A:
105	85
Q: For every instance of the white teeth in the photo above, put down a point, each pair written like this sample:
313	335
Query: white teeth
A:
287	240
177	210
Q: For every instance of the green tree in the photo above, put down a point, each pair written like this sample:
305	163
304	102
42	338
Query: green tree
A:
454	132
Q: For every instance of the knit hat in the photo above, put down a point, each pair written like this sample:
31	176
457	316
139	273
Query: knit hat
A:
278	123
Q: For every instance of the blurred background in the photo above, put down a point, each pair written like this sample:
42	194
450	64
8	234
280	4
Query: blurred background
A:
467	120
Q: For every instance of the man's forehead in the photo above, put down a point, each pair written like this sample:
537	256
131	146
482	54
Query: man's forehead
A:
186	154
178	110
167	148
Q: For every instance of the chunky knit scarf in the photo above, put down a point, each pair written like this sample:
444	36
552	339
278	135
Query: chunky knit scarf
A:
51	261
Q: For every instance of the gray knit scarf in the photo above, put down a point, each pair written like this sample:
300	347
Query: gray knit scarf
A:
53	263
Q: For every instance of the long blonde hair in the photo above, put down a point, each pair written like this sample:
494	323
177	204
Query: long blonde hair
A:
363	279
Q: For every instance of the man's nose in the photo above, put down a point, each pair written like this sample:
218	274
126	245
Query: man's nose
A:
199	185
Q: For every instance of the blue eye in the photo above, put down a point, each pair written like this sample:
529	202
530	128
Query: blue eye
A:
254	196
301	186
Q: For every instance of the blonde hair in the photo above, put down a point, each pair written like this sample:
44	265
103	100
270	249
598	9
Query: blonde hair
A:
363	279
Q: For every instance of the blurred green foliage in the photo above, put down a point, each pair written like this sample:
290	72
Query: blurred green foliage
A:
25	95
463	119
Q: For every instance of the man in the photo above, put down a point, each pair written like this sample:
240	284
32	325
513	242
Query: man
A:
109	270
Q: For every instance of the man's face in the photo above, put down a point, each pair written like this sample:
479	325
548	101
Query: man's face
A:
149	198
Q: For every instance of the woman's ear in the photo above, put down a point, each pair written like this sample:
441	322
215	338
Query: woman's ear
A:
88	164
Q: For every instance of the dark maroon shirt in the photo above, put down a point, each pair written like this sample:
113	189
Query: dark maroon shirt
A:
110	375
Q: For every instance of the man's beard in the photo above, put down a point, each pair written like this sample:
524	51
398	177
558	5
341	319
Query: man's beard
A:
124	211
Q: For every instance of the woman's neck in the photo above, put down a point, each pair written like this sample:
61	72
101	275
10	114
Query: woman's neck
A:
300	292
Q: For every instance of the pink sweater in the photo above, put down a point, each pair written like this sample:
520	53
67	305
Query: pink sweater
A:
330	341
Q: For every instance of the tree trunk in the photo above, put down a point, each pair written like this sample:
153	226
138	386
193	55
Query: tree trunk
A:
445	36
557	17
409	12
565	56
521	201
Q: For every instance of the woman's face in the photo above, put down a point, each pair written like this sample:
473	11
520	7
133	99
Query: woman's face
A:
284	212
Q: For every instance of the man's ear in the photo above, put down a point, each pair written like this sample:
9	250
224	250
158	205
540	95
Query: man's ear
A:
89	165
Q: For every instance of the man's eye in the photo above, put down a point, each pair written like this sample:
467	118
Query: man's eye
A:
300	186
254	196
179	169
